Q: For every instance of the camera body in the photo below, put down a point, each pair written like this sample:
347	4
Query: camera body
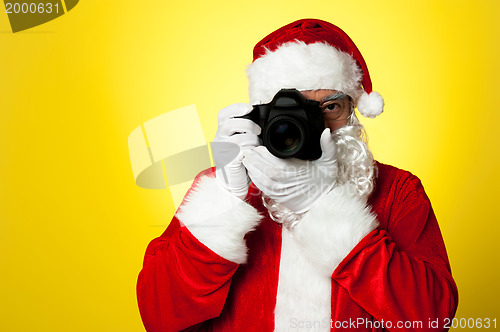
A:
291	125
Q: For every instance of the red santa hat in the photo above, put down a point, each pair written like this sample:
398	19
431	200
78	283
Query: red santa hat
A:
311	54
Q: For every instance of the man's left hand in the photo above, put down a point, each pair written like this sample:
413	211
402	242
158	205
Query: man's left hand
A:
294	183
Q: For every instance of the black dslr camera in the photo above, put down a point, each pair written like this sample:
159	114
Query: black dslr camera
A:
291	125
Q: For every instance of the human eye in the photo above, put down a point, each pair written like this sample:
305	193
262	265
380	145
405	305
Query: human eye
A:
332	106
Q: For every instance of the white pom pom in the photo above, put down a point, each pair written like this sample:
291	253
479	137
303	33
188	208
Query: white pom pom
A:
370	105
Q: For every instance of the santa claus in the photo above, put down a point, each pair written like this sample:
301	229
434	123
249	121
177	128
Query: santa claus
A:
283	244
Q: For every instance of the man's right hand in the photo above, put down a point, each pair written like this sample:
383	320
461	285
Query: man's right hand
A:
234	135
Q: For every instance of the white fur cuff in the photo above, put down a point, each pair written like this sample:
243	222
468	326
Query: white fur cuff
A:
333	227
218	219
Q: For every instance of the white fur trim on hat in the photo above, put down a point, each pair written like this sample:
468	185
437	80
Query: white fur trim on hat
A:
218	219
370	105
303	67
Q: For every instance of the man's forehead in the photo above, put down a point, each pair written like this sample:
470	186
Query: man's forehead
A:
323	94
339	95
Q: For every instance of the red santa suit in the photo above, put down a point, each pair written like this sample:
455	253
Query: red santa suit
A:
223	264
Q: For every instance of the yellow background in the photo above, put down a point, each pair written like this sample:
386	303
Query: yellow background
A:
74	226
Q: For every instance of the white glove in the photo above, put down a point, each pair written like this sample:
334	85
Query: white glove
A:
294	183
234	136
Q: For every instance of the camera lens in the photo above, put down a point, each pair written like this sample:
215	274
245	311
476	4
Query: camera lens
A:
285	136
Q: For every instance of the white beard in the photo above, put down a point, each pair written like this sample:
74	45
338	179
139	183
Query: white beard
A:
354	159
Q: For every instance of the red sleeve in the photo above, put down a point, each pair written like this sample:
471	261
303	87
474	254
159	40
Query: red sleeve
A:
182	282
400	271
